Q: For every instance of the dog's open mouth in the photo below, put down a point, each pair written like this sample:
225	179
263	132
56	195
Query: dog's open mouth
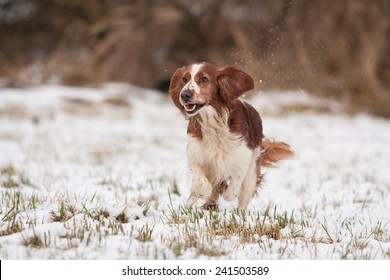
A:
193	109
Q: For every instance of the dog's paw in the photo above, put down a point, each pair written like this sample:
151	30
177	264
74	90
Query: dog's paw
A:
202	188
210	205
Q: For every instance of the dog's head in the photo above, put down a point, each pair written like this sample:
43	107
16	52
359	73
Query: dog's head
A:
202	84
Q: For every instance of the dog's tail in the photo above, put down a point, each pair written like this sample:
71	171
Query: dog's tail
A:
274	151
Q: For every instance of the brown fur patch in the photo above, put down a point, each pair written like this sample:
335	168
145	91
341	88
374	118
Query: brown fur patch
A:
273	152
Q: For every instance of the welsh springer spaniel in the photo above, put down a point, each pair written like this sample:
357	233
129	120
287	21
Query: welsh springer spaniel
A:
226	146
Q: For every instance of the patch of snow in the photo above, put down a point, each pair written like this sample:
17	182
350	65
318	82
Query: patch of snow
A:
92	171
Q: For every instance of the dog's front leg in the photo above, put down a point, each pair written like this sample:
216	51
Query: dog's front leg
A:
212	201
242	159
234	188
201	187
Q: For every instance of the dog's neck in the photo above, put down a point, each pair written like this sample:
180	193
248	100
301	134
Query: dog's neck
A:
209	122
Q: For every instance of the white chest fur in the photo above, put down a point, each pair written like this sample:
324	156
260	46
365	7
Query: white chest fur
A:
220	155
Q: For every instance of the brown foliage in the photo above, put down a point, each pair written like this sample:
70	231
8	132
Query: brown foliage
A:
337	48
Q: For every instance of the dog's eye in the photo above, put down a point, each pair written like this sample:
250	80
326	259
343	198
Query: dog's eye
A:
203	79
184	79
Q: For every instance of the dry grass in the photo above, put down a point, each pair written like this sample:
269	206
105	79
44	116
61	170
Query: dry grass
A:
315	46
77	205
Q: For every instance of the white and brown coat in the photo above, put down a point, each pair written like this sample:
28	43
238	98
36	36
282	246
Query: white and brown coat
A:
226	147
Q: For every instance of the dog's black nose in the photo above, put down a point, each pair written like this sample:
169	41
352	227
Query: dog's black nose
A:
186	95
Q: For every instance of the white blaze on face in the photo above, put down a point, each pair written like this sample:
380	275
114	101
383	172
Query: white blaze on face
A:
192	85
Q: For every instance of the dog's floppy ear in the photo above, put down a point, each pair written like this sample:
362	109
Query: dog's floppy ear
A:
175	86
233	82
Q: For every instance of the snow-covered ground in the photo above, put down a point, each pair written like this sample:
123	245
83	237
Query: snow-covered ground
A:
100	173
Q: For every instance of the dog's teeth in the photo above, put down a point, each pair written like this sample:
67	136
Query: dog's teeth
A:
190	107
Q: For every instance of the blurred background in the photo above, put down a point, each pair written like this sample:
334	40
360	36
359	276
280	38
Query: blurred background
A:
335	49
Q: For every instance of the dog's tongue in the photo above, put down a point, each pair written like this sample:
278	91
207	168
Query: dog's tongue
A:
190	107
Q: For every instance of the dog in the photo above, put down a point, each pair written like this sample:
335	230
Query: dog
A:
226	147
